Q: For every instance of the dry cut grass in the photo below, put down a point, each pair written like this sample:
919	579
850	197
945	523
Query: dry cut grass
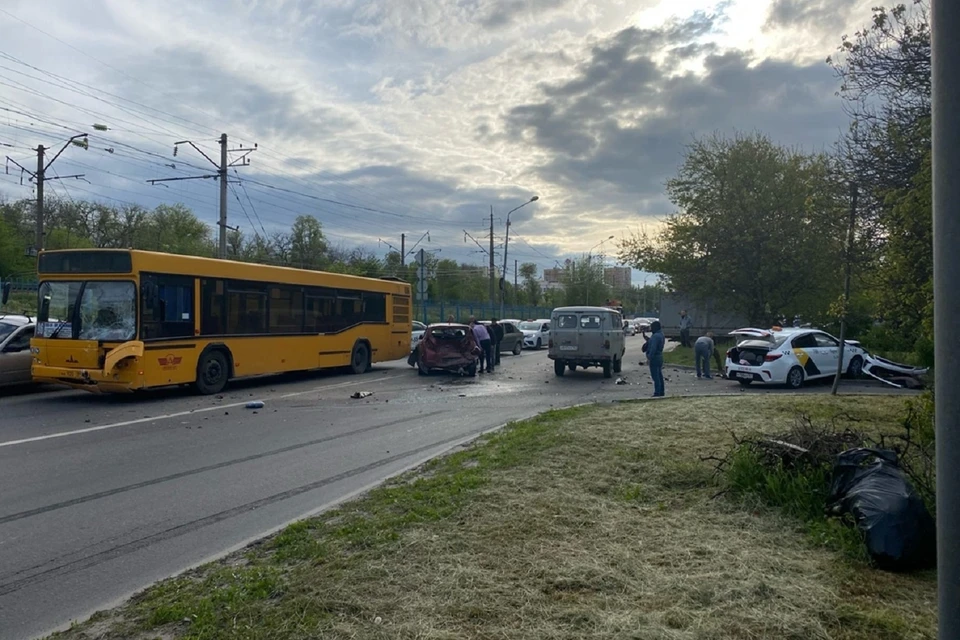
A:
585	523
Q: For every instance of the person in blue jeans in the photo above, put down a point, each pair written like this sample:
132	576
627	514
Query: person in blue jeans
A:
655	358
702	351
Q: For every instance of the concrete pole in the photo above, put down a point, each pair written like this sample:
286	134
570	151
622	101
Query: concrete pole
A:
403	248
223	196
39	210
492	266
945	23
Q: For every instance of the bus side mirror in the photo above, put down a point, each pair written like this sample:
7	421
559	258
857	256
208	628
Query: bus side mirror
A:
7	287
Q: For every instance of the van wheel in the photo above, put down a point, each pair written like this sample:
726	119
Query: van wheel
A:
617	365
795	378
607	369
517	348
213	371
360	358
558	367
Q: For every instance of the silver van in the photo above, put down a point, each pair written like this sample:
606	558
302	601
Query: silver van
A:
586	337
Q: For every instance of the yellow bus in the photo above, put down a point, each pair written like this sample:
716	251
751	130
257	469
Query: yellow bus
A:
120	321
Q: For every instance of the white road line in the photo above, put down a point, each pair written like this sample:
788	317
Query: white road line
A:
167	416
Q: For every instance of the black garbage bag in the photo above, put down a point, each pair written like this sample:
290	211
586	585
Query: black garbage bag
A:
899	532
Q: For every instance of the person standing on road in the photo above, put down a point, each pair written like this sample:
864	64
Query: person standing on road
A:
703	350
686	322
496	337
655	358
482	337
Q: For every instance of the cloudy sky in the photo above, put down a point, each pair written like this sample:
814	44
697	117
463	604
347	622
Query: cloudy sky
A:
419	114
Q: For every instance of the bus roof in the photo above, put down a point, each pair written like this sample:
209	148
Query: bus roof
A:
67	262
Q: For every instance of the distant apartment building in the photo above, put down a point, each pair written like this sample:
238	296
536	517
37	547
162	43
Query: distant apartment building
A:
618	277
553	275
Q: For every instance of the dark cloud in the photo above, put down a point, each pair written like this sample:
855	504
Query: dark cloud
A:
808	13
507	12
620	125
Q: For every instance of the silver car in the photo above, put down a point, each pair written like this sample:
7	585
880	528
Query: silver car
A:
15	355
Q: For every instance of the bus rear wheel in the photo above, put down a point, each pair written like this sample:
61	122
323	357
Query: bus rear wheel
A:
360	358
213	371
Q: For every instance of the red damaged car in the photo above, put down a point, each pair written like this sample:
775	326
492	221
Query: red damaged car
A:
446	347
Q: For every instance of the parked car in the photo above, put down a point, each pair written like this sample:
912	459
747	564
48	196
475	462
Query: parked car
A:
586	337
416	334
446	346
512	337
790	356
629	328
536	333
15	354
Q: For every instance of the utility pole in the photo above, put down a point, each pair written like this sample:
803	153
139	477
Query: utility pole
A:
846	286
515	288
38	242
403	249
40	176
221	175
223	196
945	50
492	267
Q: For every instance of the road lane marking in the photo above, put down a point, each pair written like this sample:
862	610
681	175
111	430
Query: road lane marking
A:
178	414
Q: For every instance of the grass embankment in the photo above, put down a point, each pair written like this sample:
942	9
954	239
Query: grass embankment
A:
21	302
591	522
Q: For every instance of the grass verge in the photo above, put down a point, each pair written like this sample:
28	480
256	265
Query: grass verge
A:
582	523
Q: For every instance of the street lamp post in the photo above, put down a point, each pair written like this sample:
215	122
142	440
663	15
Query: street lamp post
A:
506	241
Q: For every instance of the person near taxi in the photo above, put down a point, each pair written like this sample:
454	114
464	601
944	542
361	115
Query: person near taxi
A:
686	323
482	337
655	358
703	350
496	338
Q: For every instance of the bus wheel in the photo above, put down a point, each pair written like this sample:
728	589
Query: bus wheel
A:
212	372
360	358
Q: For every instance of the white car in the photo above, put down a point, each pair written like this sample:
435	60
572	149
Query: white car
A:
416	334
536	333
790	356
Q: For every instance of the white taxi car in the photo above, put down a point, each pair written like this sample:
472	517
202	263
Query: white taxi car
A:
536	333
790	356
416	334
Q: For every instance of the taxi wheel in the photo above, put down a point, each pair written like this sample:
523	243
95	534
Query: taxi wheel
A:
539	343
855	368
795	378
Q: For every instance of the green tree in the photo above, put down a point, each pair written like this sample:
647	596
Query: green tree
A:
176	229
583	282
532	292
308	245
759	229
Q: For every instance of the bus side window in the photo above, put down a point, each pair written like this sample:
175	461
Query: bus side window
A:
166	306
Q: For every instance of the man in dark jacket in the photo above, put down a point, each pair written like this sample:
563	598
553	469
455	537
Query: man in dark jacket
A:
655	358
496	337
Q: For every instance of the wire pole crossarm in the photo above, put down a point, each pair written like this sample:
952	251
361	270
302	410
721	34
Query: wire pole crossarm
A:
198	149
206	177
467	235
63	148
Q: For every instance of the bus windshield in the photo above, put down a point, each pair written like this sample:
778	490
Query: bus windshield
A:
88	310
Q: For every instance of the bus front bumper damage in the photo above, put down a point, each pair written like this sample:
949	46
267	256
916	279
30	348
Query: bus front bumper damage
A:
118	375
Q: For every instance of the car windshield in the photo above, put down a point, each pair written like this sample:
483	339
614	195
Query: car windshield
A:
529	326
6	329
92	310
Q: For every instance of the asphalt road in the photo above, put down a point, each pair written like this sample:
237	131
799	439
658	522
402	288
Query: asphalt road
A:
103	495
